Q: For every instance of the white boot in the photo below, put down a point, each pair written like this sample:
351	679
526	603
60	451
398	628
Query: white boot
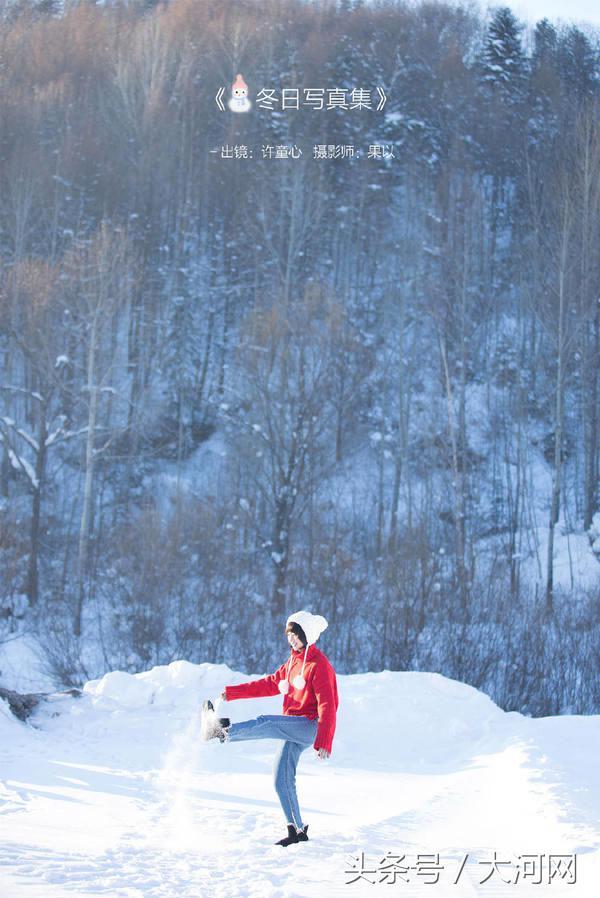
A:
211	726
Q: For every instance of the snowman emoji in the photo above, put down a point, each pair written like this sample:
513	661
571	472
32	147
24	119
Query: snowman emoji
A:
239	101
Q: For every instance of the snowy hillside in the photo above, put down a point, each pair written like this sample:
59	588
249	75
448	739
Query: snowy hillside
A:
113	794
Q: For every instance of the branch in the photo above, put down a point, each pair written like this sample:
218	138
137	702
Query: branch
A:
31	393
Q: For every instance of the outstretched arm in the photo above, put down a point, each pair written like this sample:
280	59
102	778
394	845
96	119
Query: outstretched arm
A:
256	688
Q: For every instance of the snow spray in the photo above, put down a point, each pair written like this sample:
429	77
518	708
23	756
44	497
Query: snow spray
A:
182	823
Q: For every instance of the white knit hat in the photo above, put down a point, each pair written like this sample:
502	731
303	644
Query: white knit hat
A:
312	624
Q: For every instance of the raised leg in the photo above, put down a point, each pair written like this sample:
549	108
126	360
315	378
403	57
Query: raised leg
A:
300	730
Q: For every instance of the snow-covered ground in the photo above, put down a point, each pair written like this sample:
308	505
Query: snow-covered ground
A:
114	795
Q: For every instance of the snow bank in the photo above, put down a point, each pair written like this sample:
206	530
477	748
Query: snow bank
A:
414	719
179	684
5	712
9	725
392	719
119	689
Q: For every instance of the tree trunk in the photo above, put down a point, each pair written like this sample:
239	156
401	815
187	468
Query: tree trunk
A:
558	432
457	482
591	461
86	514
40	465
280	555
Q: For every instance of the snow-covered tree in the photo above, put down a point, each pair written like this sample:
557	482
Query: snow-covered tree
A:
579	65
502	60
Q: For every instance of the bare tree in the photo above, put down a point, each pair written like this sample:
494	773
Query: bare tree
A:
99	275
35	426
284	412
560	200
587	179
460	262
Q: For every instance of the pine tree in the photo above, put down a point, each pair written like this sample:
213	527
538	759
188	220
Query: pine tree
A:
544	86
503	62
545	43
579	66
502	75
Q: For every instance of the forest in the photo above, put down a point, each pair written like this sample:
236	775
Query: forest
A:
237	381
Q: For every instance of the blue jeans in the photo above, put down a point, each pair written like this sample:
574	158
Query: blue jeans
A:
297	734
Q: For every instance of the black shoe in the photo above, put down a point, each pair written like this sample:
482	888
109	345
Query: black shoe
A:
291	837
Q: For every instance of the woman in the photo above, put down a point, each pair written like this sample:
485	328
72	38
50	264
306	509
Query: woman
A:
310	702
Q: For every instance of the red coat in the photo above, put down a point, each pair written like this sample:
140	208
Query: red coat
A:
318	699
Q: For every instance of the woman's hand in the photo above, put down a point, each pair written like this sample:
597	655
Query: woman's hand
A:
323	753
223	696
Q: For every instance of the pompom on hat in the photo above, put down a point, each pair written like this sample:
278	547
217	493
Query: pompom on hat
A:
312	625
